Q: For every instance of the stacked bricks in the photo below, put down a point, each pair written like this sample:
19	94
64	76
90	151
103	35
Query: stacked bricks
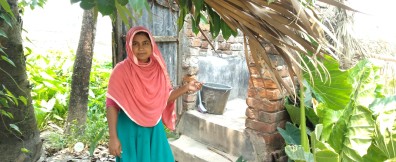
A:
265	110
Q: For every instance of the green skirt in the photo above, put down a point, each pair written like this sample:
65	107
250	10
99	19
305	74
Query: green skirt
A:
142	144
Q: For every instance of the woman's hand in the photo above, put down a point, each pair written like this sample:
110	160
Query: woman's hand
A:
115	146
193	86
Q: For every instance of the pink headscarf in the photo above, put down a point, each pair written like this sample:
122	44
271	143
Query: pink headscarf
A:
142	90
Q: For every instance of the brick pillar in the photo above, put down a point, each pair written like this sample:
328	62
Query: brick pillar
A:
265	111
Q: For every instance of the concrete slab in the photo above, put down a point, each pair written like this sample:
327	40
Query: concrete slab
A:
186	149
223	132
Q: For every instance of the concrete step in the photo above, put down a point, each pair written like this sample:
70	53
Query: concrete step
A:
186	149
223	132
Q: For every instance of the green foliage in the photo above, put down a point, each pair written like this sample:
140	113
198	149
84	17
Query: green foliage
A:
31	3
355	122
291	134
215	22
4	5
335	93
50	75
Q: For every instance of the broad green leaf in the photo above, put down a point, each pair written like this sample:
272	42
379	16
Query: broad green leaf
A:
123	2
6	7
322	151
352	135
291	134
294	113
382	105
198	7
225	30
375	154
16	128
214	22
6	18
138	5
106	7
195	25
365	76
327	156
296	152
328	117
3	34
336	92
384	144
87	4
8	60
203	19
180	20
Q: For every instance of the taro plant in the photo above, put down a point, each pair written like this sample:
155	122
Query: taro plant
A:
349	118
49	75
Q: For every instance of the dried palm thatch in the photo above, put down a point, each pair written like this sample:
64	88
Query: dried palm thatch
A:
293	27
341	22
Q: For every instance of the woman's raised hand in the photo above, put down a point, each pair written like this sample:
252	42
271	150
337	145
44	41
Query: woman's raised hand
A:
194	86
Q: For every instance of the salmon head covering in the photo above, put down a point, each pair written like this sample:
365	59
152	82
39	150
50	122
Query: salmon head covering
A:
142	90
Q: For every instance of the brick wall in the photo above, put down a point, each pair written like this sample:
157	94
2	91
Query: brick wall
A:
265	111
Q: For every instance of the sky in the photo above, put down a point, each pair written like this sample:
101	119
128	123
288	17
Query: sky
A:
57	25
378	20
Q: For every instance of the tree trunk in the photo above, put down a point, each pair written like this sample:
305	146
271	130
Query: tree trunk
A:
14	78
82	68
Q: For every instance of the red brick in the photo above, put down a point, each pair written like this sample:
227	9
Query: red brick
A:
269	83
260	126
271	117
264	104
251	113
270	94
196	42
252	92
189	33
274	140
224	46
204	44
258	82
282	124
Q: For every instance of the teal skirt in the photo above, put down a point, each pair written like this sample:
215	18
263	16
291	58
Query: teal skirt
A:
142	144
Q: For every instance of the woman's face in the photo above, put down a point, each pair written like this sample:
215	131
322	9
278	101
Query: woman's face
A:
141	47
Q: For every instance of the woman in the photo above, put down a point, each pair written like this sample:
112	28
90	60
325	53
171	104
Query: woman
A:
140	99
